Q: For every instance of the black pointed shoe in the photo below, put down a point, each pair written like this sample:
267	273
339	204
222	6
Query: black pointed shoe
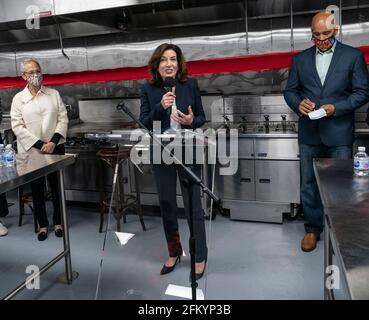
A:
42	236
58	233
166	269
198	276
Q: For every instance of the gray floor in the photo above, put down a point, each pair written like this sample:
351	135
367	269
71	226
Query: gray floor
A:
246	260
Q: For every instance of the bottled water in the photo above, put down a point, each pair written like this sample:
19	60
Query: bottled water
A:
1	155
9	156
361	162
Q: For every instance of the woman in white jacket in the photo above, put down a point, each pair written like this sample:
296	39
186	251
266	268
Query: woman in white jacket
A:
40	122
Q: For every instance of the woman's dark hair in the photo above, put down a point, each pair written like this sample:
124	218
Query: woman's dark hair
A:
155	61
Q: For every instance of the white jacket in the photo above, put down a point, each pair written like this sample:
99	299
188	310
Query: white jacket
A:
37	118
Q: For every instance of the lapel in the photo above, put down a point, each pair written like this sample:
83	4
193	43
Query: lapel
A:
315	72
336	56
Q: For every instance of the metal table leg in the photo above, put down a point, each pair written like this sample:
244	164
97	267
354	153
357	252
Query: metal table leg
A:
328	258
69	275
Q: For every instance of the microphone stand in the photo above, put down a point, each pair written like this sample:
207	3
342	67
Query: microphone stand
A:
188	183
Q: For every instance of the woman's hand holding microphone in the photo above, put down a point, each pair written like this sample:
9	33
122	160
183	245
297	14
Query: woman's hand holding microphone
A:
167	101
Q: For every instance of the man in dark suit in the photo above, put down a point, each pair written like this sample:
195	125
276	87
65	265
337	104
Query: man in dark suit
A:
334	77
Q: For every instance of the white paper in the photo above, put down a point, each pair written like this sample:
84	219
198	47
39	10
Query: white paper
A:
183	292
173	124
123	237
317	114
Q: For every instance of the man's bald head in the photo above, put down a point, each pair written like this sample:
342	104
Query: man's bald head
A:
323	25
323	19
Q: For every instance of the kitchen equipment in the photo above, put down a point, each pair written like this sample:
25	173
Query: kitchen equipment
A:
97	118
267	182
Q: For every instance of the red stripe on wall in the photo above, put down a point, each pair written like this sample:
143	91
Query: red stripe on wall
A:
268	61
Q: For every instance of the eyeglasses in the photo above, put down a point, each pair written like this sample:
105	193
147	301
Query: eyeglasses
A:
29	73
324	33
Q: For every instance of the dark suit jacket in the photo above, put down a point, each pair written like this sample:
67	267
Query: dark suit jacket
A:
346	86
187	94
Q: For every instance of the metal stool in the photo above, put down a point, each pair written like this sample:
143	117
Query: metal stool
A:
121	202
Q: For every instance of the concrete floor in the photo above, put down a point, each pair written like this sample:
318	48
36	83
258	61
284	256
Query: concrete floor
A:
247	260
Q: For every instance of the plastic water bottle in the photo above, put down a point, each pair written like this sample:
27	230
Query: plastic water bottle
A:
1	155
361	162
9	156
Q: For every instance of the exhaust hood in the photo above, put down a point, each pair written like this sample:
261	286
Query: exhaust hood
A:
77	19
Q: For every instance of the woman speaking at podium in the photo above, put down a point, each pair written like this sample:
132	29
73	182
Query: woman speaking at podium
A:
177	106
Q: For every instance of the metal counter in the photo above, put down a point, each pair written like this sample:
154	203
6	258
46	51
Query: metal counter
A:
345	198
268	135
82	128
28	168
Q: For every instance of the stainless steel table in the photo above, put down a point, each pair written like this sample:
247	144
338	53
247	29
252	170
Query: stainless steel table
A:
28	168
345	199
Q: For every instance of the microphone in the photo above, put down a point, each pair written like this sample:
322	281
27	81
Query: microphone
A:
121	106
168	84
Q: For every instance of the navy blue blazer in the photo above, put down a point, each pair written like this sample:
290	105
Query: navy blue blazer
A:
187	94
346	86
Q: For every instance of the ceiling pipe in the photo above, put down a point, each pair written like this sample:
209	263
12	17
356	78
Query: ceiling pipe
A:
61	39
292	38
246	28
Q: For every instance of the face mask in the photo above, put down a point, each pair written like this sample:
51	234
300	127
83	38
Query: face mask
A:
324	45
35	80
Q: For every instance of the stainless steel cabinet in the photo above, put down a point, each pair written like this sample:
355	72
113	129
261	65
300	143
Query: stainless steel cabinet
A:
276	148
245	149
267	181
277	180
241	185
271	164
277	170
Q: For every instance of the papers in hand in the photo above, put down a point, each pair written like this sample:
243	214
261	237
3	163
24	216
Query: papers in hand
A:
317	114
123	237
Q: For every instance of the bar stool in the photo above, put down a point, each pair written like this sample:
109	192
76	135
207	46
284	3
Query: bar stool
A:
121	201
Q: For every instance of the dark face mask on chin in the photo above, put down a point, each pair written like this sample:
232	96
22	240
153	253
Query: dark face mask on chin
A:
324	45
